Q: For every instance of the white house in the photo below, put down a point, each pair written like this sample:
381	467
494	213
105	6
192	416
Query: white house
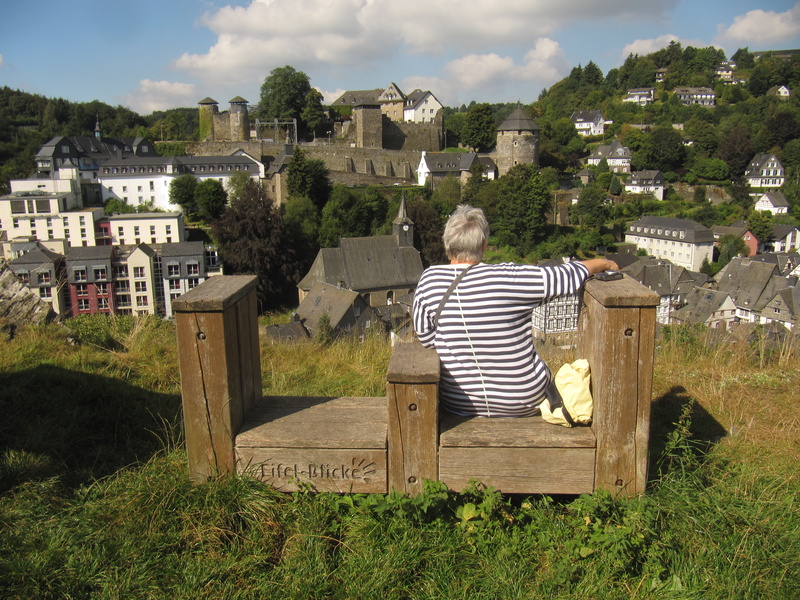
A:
646	182
696	95
588	122
765	171
138	181
774	202
421	107
641	96
617	156
435	166
785	238
684	242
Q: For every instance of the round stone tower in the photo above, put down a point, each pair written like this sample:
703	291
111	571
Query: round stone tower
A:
209	108
517	141
239	120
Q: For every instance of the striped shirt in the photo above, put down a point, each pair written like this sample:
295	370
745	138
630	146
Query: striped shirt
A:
484	340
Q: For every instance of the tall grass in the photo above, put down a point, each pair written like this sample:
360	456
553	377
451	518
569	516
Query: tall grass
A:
96	501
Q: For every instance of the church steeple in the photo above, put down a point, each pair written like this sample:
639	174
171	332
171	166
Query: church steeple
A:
402	226
97	131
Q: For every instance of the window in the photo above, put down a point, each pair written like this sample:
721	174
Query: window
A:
192	283
123	300
192	268
141	286
141	300
44	278
100	274
83	304
102	304
173	270
138	272
24	277
174	285
120	271
79	274
152	229
123	286
102	289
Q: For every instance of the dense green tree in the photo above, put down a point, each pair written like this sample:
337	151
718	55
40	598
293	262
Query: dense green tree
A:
737	150
181	192
777	130
664	149
301	219
210	198
428	231
477	179
252	240
479	128
284	94
592	75
454	128
522	202
731	246
591	208
308	177
342	217
446	196
714	169
743	58
761	224
237	184
313	114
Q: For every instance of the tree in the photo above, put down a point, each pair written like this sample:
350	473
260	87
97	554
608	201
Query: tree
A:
761	225
737	150
237	184
591	208
181	192
313	115
342	217
252	240
210	199
479	128
731	246
302	220
284	94
522	202
308	177
664	149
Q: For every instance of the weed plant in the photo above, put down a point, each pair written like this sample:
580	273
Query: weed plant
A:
96	502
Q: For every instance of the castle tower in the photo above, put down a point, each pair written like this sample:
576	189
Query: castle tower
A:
517	141
209	108
368	120
403	227
239	120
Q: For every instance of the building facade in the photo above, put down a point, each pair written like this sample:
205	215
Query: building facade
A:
683	242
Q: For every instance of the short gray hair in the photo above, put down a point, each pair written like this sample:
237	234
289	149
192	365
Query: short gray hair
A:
465	234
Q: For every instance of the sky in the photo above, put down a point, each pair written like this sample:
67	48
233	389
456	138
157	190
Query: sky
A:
153	55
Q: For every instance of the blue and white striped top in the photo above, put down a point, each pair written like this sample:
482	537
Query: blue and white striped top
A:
489	365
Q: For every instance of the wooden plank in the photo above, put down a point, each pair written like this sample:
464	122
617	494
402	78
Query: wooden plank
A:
215	294
353	470
618	342
413	435
622	292
525	432
307	422
519	470
413	363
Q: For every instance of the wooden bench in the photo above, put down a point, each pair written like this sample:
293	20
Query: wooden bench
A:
398	441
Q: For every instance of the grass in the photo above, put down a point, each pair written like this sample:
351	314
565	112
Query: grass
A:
96	501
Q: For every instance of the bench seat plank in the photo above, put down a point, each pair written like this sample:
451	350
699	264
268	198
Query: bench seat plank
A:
520	432
301	422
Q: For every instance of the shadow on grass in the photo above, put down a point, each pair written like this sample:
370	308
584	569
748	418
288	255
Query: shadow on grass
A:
78	426
665	415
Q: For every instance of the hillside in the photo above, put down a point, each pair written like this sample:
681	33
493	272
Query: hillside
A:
96	501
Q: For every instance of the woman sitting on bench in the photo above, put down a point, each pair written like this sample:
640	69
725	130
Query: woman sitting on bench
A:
478	318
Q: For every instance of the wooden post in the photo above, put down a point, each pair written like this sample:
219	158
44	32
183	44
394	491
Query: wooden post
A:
220	368
413	434
616	334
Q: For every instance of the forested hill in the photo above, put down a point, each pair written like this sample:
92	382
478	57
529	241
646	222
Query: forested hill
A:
28	121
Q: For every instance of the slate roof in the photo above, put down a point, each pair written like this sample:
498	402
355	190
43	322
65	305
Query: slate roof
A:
694	232
720	231
757	164
746	280
662	277
701	303
449	162
776	198
183	249
586	116
613	150
90	253
518	120
37	255
357	97
325	299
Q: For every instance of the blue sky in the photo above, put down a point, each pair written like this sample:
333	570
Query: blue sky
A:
158	54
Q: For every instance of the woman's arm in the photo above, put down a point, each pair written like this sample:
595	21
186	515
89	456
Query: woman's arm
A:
598	265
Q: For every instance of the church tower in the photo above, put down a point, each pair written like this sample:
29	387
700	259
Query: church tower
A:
403	227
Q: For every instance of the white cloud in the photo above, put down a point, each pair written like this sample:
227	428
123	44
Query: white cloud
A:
492	75
1	60
644	47
160	95
320	34
762	27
